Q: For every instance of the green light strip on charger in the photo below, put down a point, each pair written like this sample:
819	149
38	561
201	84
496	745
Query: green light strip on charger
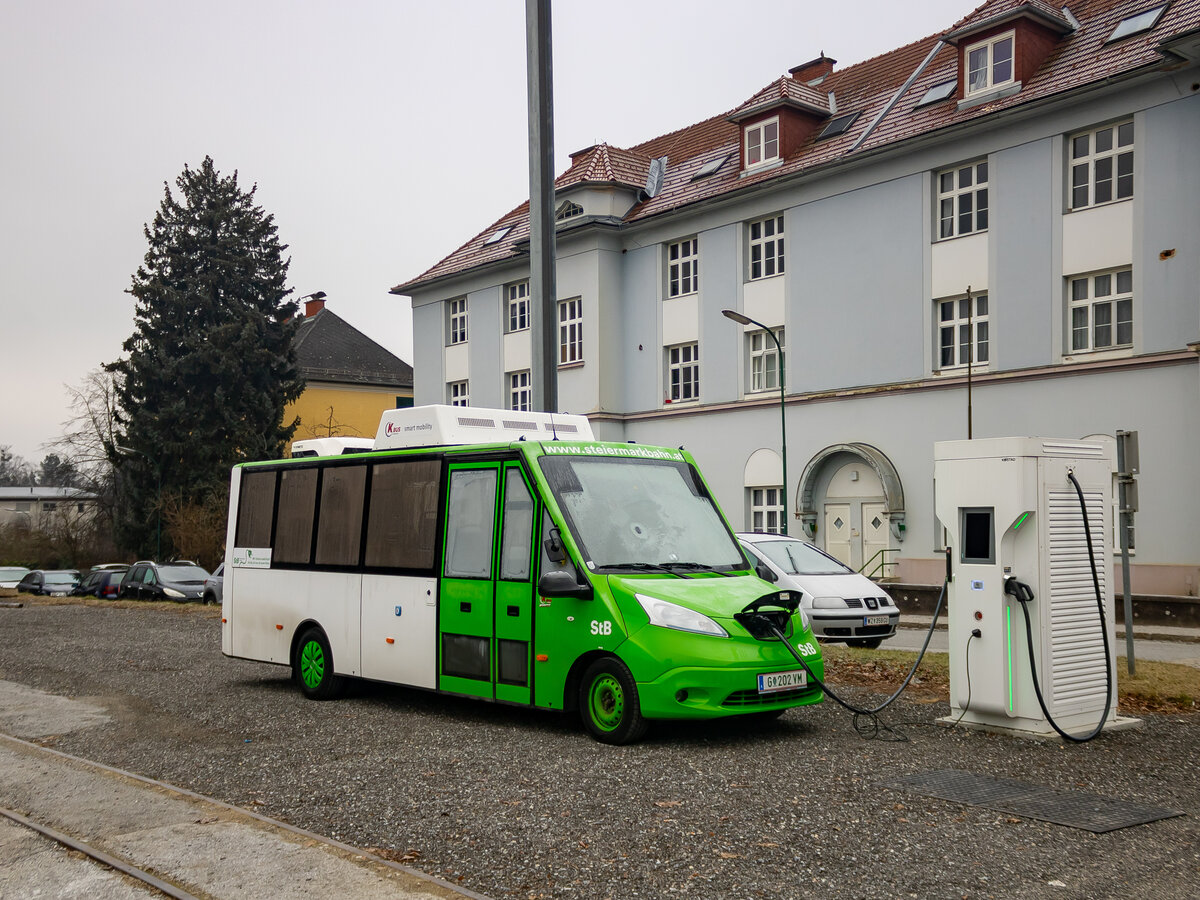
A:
1020	520
1008	616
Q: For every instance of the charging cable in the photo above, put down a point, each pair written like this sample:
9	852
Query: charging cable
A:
1024	595
866	721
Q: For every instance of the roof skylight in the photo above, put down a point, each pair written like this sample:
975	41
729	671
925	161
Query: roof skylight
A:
498	235
710	167
840	125
938	92
1136	24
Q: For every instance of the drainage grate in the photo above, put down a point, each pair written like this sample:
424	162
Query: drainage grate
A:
1071	808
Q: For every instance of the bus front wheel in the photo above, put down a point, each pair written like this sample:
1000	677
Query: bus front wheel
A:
608	703
312	667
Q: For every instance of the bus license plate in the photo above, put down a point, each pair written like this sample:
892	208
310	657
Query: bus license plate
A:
782	681
875	620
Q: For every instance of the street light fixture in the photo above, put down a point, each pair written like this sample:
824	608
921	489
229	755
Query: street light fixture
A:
746	320
158	523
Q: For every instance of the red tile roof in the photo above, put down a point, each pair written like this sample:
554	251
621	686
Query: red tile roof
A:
871	88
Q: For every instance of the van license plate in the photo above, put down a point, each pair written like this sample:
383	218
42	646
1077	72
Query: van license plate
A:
875	620
782	681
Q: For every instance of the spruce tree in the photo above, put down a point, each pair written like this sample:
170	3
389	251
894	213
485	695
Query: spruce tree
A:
210	364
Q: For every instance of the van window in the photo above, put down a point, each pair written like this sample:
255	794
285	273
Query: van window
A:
256	503
339	529
294	523
402	523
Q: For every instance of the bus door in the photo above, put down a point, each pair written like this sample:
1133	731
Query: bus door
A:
486	596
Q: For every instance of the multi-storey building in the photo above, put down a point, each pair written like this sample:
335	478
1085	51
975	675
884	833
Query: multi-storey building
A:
994	229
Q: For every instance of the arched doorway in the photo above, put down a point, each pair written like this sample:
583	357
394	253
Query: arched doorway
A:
851	503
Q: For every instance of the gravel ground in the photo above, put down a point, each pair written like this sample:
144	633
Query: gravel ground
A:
518	803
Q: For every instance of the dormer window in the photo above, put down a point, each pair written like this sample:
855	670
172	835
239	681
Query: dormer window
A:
990	63
762	142
568	210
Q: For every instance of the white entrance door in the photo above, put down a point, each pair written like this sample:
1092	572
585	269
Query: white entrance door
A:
838	532
874	538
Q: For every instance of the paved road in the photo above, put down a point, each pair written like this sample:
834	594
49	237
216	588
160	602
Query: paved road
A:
1175	651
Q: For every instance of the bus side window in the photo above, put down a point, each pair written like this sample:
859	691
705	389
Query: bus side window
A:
470	524
518	528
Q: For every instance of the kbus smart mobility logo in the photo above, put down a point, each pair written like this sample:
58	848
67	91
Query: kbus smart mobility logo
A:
392	428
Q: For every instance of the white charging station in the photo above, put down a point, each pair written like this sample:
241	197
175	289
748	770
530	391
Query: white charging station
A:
1011	512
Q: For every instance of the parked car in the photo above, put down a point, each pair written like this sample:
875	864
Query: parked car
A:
10	576
177	580
103	581
842	604
49	583
214	585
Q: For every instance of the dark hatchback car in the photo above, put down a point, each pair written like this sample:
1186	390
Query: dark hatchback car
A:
104	583
179	580
49	583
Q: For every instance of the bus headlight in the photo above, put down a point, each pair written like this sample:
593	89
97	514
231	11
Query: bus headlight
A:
671	615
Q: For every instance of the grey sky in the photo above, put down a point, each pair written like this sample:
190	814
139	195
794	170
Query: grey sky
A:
381	135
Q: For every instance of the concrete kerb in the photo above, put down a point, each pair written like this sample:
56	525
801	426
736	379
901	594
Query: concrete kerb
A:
198	842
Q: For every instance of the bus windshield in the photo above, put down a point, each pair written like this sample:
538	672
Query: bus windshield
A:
630	513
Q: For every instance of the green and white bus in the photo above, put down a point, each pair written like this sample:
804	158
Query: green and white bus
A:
509	556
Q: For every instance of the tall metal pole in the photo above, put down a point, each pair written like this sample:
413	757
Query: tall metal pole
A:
1125	470
970	355
542	286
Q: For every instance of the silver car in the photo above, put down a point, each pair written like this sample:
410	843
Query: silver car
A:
842	604
214	585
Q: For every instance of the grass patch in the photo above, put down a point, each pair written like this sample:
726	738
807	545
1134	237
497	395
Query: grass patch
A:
206	611
1159	687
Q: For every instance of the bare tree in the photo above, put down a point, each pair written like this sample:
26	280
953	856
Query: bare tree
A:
89	440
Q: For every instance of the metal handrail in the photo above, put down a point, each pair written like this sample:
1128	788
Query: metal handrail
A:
883	563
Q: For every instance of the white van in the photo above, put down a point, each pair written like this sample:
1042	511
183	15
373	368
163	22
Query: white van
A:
842	604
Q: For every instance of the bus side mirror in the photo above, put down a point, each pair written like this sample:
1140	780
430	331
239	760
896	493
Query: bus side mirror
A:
555	551
765	573
563	584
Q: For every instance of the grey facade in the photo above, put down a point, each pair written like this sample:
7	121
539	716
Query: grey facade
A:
861	302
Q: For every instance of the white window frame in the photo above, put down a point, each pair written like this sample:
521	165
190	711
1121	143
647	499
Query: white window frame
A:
457	326
989	64
683	373
766	509
570	331
760	142
683	267
764	359
962	199
458	393
520	391
957	319
765	256
1099	308
1107	173
516	306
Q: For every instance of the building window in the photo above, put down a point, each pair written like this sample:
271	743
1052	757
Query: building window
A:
683	267
963	331
989	63
570	331
568	210
766	247
520	394
458	321
518	306
683	373
762	142
1101	311
963	200
404	402
1102	165
459	393
766	510
764	360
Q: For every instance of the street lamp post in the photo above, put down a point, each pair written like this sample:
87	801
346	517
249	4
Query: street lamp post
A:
158	503
746	320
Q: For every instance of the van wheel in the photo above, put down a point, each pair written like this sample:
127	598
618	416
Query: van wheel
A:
608	703
868	643
312	667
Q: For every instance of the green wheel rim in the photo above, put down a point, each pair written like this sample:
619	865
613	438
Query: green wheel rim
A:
606	702
312	664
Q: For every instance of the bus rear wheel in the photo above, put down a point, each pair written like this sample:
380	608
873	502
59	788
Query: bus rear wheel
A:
608	703
312	667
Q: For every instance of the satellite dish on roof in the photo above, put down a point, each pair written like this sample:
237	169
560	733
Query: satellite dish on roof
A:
654	178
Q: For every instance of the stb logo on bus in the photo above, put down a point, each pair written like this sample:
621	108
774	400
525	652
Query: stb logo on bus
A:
252	557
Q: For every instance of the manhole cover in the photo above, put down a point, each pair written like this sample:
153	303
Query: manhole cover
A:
1071	808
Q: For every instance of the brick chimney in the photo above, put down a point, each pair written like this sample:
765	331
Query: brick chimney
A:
813	70
314	304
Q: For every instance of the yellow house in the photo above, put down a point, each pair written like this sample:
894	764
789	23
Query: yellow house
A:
349	379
